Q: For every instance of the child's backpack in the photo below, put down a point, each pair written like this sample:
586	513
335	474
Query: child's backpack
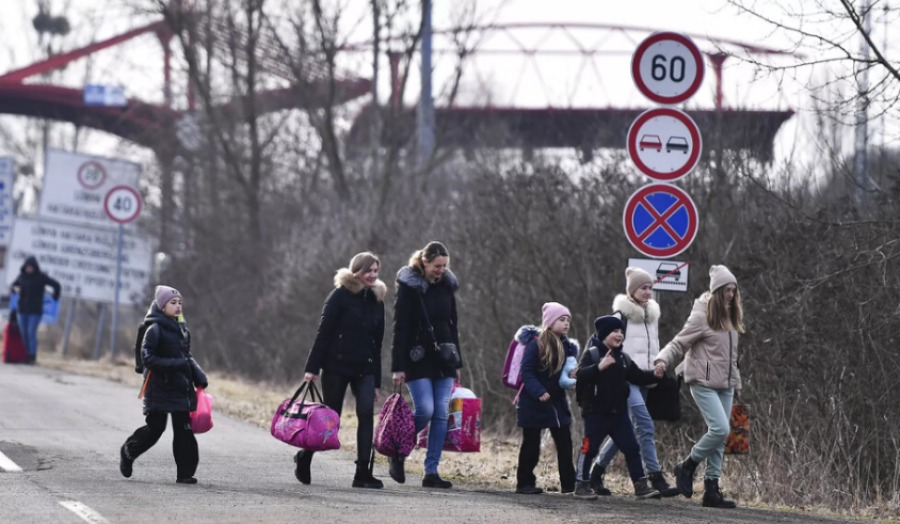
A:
138	345
512	369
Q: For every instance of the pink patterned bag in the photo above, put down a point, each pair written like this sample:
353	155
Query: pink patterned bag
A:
395	434
312	426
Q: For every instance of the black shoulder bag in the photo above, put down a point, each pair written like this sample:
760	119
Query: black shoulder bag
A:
448	354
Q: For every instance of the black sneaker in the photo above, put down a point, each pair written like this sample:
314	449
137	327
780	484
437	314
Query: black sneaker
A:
303	459
529	490
396	470
125	462
365	479
433	480
187	480
583	491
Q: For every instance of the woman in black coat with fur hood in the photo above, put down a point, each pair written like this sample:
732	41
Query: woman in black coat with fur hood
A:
348	350
425	320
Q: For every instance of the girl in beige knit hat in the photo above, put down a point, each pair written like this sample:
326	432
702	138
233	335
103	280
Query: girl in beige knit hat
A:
708	345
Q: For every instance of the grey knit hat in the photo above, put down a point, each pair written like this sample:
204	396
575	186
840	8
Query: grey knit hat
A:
164	294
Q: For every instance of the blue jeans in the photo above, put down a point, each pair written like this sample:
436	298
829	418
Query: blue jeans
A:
431	397
28	325
643	427
715	406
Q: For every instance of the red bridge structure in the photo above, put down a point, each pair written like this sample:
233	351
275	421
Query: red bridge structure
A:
581	128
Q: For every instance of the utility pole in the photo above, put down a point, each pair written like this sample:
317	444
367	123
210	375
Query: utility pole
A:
425	114
376	107
862	111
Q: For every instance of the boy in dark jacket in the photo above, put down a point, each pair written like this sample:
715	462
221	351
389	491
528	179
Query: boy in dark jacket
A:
602	392
171	376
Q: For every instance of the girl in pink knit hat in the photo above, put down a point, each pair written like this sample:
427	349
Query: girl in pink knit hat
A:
543	403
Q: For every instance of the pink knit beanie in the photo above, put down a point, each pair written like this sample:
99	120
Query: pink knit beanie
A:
553	311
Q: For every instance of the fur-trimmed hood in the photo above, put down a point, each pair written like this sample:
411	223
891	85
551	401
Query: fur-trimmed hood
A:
410	277
633	312
345	278
526	333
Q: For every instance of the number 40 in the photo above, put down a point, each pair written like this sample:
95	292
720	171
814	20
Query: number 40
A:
659	71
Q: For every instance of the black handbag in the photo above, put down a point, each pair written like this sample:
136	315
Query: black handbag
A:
664	401
447	352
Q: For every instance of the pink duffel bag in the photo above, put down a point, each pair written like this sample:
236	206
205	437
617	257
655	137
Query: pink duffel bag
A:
312	425
395	434
201	420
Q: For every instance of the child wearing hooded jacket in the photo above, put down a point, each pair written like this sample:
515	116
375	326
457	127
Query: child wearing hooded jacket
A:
543	403
171	374
602	391
641	314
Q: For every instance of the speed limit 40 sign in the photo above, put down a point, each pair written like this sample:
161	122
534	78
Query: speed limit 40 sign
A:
123	204
667	68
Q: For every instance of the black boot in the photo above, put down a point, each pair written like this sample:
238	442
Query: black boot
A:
597	481
713	498
583	491
395	469
433	480
365	479
642	489
684	476
125	462
658	482
303	459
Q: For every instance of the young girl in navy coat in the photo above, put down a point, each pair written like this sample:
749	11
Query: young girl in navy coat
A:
543	403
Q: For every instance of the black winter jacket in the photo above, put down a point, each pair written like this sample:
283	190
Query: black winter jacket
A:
351	330
413	349
606	392
32	287
172	371
530	411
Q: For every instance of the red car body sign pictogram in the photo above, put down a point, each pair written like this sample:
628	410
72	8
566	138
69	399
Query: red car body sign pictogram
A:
660	220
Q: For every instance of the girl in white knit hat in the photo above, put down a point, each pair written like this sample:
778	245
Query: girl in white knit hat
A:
641	316
708	345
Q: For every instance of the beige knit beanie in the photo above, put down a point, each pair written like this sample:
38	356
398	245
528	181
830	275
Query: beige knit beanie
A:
636	277
720	276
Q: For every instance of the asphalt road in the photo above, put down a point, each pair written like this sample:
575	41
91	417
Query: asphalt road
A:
64	432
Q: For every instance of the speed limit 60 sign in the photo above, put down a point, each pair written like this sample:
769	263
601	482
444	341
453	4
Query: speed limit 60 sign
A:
667	68
123	204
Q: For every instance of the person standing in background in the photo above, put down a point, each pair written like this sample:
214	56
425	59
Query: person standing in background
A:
31	285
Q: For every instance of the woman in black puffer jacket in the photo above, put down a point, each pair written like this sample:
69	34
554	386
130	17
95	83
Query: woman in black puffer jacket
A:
348	350
171	374
426	294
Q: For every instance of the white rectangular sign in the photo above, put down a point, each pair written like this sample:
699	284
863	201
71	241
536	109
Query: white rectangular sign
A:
75	185
7	204
82	259
669	274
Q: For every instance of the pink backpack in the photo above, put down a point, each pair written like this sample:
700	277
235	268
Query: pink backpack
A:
512	369
312	426
395	434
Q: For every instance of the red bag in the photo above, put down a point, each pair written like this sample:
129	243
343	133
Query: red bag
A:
738	442
13	345
201	420
463	426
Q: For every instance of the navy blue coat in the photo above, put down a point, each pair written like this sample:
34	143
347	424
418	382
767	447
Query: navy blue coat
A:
531	412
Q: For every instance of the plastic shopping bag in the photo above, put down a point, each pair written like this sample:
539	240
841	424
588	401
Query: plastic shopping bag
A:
201	420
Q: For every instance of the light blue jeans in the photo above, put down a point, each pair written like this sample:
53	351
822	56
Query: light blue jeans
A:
432	401
715	406
28	326
643	429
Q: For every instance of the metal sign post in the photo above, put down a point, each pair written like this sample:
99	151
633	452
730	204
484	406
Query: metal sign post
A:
122	205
